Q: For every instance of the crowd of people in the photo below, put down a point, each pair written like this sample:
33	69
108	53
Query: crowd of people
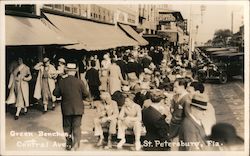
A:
151	88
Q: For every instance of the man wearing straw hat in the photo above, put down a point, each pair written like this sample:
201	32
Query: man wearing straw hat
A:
73	92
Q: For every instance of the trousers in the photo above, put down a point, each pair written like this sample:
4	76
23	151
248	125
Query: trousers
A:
99	123
72	126
123	125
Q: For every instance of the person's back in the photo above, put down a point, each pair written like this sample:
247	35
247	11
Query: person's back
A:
92	76
122	64
114	70
73	92
134	67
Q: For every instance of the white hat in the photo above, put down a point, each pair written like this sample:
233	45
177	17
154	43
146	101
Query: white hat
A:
200	101
62	60
127	51
148	71
71	66
46	59
106	56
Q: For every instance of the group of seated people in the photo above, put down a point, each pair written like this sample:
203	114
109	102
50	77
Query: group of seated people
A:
163	100
128	116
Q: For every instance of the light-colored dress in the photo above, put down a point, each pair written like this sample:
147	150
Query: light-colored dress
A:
19	87
115	78
40	83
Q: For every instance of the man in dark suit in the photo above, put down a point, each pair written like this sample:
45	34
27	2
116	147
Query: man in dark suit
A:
92	77
122	64
154	120
133	66
73	92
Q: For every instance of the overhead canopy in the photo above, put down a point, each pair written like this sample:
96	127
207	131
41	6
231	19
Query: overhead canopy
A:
31	31
90	35
134	34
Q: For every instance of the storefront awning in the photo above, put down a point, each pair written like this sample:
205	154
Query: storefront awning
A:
31	31
134	34
90	35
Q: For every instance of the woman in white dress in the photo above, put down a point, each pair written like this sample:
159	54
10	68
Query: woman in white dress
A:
115	77
19	87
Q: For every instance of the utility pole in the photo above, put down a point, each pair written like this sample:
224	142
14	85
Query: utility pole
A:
190	39
232	22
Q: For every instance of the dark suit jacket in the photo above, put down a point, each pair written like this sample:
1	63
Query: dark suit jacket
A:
191	132
134	67
73	92
179	112
123	67
92	75
156	127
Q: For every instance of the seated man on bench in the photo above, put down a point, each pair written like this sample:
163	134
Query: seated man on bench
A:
130	117
107	114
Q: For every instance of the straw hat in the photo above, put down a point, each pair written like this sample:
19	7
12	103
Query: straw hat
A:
71	67
200	101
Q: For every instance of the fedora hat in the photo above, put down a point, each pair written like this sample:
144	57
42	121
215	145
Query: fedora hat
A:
199	101
71	67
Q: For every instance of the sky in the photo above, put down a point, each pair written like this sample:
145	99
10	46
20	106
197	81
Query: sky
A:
214	17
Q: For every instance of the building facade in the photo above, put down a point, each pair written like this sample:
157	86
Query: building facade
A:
172	26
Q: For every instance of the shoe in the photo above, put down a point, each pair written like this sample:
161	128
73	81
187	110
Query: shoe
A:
99	142
109	145
44	111
76	146
16	117
121	143
68	144
137	146
25	112
53	108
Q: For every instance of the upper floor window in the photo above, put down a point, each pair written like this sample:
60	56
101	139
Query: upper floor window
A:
21	8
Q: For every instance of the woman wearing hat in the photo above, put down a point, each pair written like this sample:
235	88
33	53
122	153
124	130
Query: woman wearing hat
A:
45	83
61	67
19	87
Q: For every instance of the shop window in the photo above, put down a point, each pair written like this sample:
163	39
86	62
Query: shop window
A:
83	11
58	7
76	9
68	8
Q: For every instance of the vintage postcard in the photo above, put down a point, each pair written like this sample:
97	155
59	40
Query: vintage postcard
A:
124	77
